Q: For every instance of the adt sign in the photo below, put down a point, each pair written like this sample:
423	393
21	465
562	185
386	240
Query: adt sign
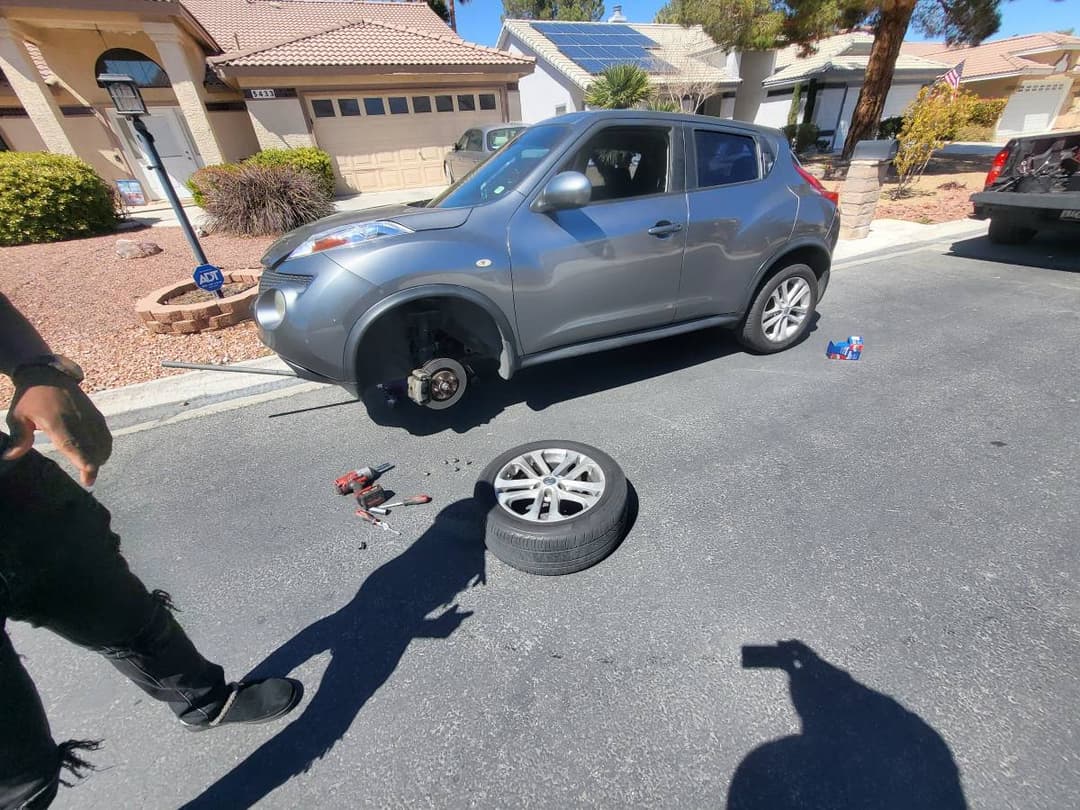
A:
209	278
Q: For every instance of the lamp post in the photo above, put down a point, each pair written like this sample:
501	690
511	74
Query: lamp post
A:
129	103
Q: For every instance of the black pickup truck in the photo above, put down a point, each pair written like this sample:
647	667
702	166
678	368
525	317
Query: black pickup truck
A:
1033	185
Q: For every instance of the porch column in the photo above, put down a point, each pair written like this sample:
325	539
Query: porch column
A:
186	80
33	93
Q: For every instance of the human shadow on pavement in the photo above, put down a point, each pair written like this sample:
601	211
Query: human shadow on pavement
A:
858	750
366	639
542	386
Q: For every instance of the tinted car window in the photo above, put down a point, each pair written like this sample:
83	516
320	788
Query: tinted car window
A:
497	138
624	162
503	171
724	158
474	141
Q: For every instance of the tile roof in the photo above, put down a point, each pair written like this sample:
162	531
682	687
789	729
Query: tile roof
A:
687	49
367	42
844	52
246	25
1002	56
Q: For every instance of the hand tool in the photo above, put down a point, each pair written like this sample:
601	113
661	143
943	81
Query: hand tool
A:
367	517
359	479
371	496
412	500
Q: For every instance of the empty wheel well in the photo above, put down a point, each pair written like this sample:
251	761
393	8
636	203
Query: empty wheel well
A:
409	335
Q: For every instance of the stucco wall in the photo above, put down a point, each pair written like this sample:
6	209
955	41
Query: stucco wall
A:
544	89
754	68
279	123
994	88
235	134
98	146
20	134
772	112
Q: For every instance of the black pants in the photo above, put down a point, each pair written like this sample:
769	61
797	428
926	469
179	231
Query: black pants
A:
61	568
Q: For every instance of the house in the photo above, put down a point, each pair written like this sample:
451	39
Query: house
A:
828	82
1039	74
682	63
384	87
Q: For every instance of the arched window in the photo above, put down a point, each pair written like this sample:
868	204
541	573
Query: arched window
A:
144	70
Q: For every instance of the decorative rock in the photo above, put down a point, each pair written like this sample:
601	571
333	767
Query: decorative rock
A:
130	249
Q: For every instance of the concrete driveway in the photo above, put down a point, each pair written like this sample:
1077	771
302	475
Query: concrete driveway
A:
911	518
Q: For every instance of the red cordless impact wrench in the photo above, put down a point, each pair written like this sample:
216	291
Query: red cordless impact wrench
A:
356	480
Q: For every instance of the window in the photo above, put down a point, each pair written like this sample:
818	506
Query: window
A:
462	142
496	138
374	106
144	70
624	162
323	108
474	141
505	171
444	103
421	104
399	105
560	109
348	106
487	101
466	103
724	158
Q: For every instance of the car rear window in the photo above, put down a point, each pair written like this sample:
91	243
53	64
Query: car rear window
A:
496	138
724	158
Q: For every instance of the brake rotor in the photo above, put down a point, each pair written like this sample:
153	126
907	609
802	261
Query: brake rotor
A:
449	379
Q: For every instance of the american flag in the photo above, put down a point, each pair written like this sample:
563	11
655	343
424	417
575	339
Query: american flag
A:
952	78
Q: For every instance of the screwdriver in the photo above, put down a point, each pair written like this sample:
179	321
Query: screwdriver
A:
412	500
366	516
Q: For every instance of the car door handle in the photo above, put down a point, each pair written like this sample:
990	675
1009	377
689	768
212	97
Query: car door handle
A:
664	228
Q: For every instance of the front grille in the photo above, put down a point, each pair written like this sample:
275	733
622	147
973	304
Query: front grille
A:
273	280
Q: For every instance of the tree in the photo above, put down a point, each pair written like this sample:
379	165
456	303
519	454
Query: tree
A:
744	25
440	8
567	10
619	87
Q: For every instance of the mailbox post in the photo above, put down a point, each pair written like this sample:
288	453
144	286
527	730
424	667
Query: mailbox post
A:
862	188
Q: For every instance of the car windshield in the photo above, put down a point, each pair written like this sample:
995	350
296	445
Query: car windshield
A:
504	170
497	138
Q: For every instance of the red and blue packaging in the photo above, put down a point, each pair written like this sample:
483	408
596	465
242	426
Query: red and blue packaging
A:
850	349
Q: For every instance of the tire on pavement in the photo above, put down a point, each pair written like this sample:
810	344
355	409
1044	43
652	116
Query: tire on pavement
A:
574	537
1002	232
752	333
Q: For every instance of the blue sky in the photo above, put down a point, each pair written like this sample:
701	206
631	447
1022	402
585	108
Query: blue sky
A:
479	20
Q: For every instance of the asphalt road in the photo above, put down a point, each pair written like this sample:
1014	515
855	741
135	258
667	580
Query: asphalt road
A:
912	518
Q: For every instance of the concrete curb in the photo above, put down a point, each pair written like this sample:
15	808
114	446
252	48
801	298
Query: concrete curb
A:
891	234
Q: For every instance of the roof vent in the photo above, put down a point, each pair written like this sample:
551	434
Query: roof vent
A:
617	15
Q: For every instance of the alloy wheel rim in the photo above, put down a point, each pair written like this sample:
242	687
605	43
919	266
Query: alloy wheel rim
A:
786	310
549	485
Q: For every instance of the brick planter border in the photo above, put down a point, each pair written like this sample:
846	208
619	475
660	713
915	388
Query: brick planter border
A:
185	319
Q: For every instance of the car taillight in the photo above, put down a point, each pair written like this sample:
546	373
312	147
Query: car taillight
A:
996	167
815	184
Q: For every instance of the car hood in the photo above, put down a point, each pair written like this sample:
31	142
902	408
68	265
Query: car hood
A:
411	216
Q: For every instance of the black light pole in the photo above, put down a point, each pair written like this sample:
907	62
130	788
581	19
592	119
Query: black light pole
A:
129	103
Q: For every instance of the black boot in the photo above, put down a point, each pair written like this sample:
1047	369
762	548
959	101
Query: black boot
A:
256	702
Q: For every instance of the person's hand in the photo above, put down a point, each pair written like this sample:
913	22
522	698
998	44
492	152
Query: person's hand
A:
46	399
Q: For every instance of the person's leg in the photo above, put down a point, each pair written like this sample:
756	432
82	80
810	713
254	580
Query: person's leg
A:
29	759
73	580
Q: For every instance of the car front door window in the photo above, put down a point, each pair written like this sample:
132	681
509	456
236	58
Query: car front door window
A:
625	162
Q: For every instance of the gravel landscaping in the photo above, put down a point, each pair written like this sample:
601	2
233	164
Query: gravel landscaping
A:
81	297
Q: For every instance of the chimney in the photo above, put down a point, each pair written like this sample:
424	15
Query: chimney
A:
617	15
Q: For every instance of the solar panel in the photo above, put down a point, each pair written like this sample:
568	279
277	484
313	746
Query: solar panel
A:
594	47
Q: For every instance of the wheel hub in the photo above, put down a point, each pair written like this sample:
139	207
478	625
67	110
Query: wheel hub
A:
444	384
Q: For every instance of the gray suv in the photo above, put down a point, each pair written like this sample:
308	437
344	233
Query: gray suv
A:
587	232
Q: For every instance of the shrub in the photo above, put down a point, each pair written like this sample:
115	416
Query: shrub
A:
254	200
801	136
929	121
308	159
985	112
204	178
619	87
974	132
890	127
46	198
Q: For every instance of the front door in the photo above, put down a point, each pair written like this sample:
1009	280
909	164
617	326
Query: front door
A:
177	153
613	266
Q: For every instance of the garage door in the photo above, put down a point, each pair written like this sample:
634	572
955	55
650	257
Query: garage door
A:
1033	106
382	142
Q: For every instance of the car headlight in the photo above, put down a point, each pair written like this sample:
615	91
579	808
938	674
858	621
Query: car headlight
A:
348	235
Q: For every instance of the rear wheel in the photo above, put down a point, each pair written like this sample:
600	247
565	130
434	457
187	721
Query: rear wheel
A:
782	311
1005	233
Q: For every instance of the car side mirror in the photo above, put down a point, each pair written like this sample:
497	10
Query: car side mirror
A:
457	147
564	191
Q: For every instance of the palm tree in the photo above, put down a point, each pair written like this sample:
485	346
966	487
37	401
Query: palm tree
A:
619	87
